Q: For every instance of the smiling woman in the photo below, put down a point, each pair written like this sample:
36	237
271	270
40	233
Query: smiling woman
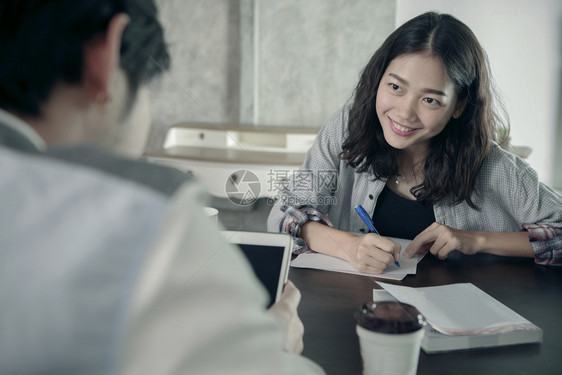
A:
418	148
415	101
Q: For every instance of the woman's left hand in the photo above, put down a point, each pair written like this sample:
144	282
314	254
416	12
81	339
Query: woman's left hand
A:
440	240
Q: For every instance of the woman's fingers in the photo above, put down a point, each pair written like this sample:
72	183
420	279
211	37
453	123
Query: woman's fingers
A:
374	253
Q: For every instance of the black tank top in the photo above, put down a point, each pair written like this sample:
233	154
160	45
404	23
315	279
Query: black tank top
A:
396	216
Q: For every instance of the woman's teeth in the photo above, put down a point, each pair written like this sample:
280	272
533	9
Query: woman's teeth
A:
402	128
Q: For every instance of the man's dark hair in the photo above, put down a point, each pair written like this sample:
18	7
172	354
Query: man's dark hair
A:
43	42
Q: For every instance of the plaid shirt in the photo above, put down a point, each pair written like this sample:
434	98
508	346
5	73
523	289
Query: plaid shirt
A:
295	218
508	193
547	243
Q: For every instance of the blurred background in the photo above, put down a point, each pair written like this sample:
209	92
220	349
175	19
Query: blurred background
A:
295	62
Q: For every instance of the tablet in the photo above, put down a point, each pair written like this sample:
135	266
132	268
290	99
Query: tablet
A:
270	257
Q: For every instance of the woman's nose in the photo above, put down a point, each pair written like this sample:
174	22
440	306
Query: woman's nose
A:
406	109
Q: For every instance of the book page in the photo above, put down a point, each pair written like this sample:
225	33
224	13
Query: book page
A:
459	309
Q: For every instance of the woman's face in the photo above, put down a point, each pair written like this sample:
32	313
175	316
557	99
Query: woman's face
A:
415	100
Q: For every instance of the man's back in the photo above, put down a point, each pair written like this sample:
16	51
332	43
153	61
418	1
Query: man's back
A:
101	275
71	243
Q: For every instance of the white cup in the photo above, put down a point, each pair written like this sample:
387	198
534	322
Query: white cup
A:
390	335
213	214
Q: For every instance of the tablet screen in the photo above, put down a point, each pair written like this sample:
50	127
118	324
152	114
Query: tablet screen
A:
267	262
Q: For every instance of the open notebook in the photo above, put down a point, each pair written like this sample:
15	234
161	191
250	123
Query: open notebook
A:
461	316
329	263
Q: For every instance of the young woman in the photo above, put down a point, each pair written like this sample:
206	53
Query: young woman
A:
418	150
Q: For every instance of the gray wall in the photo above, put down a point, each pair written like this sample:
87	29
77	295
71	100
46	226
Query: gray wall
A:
267	62
557	163
202	84
557	166
311	53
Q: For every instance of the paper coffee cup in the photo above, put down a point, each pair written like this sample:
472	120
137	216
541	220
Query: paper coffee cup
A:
212	213
390	335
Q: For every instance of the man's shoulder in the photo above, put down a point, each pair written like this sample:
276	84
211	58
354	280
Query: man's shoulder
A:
69	207
165	180
24	173
82	236
14	138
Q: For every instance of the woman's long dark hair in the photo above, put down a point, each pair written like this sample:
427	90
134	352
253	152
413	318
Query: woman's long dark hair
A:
456	154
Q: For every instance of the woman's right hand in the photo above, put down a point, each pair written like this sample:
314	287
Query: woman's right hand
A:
371	253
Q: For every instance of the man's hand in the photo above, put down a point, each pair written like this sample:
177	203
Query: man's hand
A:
286	312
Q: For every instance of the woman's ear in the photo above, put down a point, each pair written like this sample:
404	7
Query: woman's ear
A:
461	104
101	58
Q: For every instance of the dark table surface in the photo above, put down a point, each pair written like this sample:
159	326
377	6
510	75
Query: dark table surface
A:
535	292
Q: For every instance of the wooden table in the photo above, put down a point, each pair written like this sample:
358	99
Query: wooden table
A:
535	292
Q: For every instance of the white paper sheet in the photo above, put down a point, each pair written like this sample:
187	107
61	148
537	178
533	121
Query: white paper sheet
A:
329	263
459	308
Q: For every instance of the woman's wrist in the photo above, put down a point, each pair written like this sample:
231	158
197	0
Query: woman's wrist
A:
328	240
480	242
503	243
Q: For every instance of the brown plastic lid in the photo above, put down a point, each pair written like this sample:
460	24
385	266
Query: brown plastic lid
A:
389	317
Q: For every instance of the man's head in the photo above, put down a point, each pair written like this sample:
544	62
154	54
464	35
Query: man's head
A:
87	58
44	42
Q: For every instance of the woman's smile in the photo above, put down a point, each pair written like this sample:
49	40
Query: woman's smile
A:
400	129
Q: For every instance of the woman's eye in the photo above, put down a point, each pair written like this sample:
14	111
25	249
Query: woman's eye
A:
432	101
394	87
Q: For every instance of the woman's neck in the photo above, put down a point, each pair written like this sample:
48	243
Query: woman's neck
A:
410	161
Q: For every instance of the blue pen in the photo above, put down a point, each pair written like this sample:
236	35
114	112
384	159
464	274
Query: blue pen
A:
367	220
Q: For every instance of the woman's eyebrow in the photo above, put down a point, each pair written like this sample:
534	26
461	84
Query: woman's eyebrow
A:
426	90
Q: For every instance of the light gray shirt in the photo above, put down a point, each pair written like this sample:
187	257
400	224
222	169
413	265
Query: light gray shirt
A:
507	192
99	275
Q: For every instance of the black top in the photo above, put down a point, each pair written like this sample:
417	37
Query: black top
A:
396	216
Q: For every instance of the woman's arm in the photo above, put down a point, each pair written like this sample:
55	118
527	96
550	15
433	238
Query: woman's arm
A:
515	244
440	240
507	181
370	253
299	204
